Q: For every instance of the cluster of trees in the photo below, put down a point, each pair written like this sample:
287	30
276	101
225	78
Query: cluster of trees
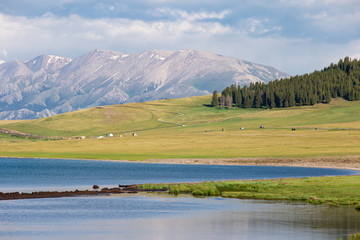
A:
337	80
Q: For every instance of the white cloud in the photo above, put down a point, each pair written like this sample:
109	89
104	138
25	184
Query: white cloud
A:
51	33
3	52
335	22
259	26
323	3
319	16
190	16
72	36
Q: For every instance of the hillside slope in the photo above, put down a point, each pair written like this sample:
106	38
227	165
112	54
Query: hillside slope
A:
186	128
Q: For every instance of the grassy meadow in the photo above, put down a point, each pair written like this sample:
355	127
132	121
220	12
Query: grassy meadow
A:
335	191
188	128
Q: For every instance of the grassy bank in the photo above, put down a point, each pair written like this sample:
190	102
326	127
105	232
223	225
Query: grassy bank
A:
336	191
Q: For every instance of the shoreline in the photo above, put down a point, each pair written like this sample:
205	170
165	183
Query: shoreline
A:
348	163
340	162
122	189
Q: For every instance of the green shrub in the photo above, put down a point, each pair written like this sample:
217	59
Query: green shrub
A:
206	191
355	236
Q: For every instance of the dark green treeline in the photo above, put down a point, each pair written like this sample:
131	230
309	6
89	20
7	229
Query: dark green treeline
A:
338	80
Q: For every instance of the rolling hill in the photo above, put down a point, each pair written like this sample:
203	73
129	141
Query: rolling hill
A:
187	128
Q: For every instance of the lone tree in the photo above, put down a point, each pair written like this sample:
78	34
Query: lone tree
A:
215	99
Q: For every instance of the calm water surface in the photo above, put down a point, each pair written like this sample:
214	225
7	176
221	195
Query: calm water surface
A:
154	216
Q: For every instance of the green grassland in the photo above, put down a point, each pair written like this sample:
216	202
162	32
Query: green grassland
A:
188	128
335	191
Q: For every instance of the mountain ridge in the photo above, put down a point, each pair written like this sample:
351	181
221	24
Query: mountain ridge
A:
47	85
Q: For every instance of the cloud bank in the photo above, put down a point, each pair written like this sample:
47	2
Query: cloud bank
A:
294	36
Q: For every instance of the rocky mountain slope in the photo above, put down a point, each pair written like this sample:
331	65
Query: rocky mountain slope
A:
49	85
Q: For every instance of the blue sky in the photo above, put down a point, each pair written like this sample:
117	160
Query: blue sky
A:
295	36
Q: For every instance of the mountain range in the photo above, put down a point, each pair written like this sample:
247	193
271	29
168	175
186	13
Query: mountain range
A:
49	85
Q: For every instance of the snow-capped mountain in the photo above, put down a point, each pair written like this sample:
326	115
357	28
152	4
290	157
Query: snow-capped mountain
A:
49	85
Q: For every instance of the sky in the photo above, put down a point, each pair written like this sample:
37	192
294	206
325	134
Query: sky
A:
295	36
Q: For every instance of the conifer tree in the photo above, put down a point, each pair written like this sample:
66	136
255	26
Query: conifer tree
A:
228	101
233	93
222	101
215	99
257	99
238	100
270	100
248	101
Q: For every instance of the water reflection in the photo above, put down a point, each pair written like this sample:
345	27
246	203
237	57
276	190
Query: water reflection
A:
153	217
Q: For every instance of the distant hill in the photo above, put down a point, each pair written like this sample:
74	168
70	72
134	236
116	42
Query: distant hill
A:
49	85
185	128
170	115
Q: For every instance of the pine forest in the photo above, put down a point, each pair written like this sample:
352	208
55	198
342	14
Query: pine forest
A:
338	80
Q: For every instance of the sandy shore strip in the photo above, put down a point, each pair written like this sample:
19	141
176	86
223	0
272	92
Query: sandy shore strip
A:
349	162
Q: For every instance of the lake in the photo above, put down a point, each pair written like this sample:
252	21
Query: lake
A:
158	216
26	175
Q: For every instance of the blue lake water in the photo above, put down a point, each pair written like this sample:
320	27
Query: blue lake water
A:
158	216
153	217
20	174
